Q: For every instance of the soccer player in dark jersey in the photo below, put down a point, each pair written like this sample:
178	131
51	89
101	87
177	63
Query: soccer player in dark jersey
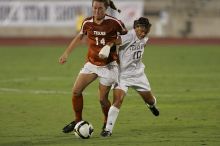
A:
100	29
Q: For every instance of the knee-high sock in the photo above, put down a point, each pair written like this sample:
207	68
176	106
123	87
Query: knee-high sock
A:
77	103
112	116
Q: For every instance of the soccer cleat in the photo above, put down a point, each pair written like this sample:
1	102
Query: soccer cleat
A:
154	110
103	127
105	133
70	127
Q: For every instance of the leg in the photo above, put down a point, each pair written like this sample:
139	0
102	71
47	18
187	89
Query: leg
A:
150	100
108	77
104	101
82	81
113	112
147	97
118	96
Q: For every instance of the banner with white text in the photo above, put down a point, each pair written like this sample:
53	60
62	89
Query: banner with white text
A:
61	13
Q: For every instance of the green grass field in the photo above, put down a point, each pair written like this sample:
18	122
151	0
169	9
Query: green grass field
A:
35	98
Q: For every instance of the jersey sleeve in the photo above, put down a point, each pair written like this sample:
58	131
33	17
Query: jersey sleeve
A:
83	28
126	38
124	29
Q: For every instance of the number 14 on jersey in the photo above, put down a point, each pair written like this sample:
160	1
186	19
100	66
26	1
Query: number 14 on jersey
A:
100	41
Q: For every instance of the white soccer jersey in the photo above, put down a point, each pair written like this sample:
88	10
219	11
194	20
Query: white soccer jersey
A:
130	54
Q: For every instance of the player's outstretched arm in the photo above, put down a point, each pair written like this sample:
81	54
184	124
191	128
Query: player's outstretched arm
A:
72	45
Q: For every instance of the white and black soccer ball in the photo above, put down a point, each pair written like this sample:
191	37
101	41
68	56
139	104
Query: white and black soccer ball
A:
83	129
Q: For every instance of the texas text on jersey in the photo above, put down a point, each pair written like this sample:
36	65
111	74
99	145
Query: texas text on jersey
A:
99	35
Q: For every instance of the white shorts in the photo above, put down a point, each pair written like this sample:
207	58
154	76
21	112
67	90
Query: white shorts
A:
139	83
108	74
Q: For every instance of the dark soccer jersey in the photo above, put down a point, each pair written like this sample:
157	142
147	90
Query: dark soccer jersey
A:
99	35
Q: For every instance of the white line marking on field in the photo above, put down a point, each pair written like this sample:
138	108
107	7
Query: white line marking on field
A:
33	79
13	90
41	91
33	91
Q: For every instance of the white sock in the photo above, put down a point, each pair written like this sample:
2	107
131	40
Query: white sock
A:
112	116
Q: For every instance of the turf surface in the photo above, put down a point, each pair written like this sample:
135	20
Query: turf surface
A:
35	98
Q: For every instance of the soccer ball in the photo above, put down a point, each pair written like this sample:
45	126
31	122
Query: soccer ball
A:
83	129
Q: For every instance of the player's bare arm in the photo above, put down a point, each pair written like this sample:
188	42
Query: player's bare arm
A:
69	49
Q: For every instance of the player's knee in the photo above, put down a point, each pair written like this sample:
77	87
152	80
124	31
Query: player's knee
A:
76	93
118	103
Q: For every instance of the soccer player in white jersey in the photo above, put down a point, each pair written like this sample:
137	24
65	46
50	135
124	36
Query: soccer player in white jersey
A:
131	70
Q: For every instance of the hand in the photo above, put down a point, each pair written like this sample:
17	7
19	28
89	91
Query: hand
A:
63	58
104	52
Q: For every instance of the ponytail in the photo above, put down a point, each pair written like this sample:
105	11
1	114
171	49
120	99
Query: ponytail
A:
108	3
112	5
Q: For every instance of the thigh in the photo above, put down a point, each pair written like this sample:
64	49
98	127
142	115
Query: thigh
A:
103	91
82	81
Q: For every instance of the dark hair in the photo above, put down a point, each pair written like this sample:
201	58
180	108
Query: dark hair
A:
109	3
142	21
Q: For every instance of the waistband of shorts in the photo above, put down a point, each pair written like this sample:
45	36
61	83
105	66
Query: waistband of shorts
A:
113	63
